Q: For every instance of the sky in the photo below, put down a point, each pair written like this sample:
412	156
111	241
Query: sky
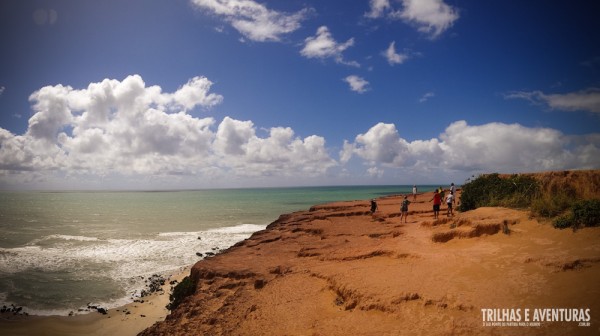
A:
186	94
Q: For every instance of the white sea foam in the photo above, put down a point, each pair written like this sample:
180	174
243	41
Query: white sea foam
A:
123	260
68	237
241	229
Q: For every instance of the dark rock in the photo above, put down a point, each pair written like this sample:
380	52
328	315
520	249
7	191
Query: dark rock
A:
259	283
200	254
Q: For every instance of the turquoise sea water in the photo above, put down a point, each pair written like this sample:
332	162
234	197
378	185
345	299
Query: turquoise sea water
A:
60	251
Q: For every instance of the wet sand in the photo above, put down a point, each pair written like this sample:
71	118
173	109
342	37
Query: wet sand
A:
127	320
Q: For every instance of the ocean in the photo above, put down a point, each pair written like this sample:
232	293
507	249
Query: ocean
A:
62	251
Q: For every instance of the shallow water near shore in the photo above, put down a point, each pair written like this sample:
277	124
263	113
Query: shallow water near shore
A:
60	251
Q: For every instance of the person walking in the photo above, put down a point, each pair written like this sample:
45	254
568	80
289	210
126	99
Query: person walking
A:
373	206
437	201
449	201
414	192
404	209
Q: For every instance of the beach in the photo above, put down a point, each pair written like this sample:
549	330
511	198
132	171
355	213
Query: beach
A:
337	269
129	319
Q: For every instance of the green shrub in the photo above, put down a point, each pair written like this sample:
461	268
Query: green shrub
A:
583	213
521	191
551	205
182	290
587	212
563	222
516	191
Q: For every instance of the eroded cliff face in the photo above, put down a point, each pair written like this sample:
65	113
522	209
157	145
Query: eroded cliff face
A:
338	270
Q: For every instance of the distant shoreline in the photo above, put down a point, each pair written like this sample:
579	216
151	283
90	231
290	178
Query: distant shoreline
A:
425	187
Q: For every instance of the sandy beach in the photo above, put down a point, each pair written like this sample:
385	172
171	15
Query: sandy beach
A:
337	269
127	320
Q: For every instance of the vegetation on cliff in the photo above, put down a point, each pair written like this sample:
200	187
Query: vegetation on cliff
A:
569	198
182	290
515	191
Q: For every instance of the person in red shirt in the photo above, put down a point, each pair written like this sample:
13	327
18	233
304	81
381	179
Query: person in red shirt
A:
437	201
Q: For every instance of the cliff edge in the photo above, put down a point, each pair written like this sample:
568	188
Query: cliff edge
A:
337	269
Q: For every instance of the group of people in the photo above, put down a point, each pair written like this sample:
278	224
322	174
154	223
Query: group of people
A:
438	196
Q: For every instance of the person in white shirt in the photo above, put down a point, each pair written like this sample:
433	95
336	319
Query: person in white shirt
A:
449	201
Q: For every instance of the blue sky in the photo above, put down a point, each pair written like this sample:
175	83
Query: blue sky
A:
221	93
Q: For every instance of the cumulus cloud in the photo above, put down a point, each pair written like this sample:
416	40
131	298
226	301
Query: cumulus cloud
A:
127	128
357	84
252	19
489	147
377	8
432	17
585	100
324	46
393	57
375	172
194	93
281	153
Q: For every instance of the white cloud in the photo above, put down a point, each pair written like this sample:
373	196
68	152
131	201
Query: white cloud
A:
284	154
128	130
375	172
377	8
393	57
426	97
254	20
585	100
357	84
125	128
194	93
52	111
233	136
323	46
432	17
281	153
487	148
2	88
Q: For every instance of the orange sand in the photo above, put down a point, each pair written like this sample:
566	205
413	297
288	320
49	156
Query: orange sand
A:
338	270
